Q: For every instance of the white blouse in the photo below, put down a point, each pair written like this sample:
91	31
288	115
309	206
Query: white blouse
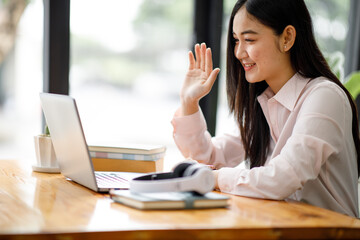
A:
312	153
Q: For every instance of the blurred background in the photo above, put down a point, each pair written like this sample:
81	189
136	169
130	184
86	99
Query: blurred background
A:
127	64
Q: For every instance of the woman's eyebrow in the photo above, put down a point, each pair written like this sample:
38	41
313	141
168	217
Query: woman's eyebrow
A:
245	32
248	32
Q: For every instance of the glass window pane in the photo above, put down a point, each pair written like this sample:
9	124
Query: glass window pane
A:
225	122
128	60
21	79
331	20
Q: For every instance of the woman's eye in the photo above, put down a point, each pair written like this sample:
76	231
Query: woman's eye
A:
248	40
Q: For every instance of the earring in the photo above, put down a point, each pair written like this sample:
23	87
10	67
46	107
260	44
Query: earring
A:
284	46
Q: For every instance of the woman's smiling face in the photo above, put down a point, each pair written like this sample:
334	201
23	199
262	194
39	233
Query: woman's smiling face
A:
259	50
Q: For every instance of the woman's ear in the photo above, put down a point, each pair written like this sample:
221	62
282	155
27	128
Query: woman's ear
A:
288	38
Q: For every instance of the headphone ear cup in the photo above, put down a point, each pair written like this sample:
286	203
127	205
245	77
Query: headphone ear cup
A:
191	170
180	169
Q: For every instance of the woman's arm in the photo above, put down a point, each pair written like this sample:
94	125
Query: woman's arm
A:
195	142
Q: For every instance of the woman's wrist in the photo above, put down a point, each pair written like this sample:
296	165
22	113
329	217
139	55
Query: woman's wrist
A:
189	107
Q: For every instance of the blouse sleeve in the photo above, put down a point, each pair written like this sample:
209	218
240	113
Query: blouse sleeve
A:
195	142
318	134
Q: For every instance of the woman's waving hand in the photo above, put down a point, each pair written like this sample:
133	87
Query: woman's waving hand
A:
199	79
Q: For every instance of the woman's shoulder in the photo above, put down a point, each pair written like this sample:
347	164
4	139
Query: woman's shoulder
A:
325	87
322	82
325	97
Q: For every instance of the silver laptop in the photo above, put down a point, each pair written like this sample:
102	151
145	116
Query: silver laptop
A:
71	149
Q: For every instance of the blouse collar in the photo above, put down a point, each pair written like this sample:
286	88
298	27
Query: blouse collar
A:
289	94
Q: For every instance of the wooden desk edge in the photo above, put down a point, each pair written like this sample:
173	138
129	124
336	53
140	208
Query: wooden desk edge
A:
208	234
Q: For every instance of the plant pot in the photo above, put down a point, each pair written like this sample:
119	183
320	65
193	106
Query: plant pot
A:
45	155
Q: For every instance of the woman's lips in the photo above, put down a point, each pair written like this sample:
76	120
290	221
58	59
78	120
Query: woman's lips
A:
248	66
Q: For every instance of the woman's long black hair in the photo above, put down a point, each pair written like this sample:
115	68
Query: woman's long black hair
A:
306	59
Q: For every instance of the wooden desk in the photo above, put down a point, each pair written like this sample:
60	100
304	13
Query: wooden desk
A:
47	206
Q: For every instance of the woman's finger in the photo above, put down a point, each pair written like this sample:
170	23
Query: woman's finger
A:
208	62
197	55
191	61
210	81
203	52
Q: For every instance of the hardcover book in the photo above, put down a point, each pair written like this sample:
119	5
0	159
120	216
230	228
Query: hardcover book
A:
126	165
169	200
142	157
129	149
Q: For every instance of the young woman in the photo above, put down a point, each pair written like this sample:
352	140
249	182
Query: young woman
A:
298	124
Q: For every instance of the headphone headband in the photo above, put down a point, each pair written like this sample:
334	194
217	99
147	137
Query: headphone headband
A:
195	177
156	176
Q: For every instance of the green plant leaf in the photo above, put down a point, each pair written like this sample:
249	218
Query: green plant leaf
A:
46	130
352	84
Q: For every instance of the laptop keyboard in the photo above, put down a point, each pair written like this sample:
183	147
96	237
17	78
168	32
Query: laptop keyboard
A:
110	180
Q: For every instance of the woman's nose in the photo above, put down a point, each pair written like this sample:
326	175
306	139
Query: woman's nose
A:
240	52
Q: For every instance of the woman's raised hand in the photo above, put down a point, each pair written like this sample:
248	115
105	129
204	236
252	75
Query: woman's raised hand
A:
199	79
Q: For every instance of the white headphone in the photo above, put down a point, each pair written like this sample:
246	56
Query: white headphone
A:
186	176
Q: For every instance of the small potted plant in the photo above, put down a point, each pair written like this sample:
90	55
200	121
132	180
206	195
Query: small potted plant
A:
45	154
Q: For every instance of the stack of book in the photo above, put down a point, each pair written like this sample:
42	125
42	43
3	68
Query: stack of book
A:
134	158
